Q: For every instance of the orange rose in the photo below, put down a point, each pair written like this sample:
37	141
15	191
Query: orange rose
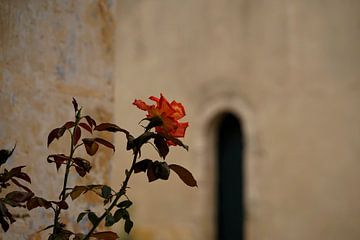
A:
168	113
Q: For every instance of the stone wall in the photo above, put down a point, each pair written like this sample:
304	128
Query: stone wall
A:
289	70
51	51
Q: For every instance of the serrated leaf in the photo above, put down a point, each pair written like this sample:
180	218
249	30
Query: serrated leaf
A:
184	174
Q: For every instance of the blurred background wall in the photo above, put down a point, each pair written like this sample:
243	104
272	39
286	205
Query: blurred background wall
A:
289	70
286	69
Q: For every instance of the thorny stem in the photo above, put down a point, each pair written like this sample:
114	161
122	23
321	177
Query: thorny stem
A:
66	176
121	193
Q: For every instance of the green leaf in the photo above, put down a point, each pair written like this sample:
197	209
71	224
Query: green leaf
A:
124	204
121	213
5	154
93	218
81	216
106	191
109	220
128	225
162	170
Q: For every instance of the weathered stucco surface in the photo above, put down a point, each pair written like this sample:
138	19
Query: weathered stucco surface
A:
289	70
51	51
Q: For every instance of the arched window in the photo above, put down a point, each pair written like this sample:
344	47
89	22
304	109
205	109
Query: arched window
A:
230	200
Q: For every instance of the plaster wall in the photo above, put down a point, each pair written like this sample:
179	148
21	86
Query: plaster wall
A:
289	70
51	51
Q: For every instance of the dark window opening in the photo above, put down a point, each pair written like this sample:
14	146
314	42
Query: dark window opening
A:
230	209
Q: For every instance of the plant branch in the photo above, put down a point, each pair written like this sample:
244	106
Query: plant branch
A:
121	193
66	177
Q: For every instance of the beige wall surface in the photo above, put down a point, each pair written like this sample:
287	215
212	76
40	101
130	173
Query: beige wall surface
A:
51	51
289	70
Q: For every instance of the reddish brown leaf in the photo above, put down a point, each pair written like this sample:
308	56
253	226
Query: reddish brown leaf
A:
69	125
58	159
61	204
90	145
105	143
23	176
82	163
20	185
91	121
54	134
184	175
77	135
151	172
75	104
110	127
106	235
38	202
19	196
161	145
86	127
80	171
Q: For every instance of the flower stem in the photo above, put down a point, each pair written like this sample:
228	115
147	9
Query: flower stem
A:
121	192
66	177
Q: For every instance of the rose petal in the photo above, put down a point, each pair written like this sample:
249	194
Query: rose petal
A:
141	104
